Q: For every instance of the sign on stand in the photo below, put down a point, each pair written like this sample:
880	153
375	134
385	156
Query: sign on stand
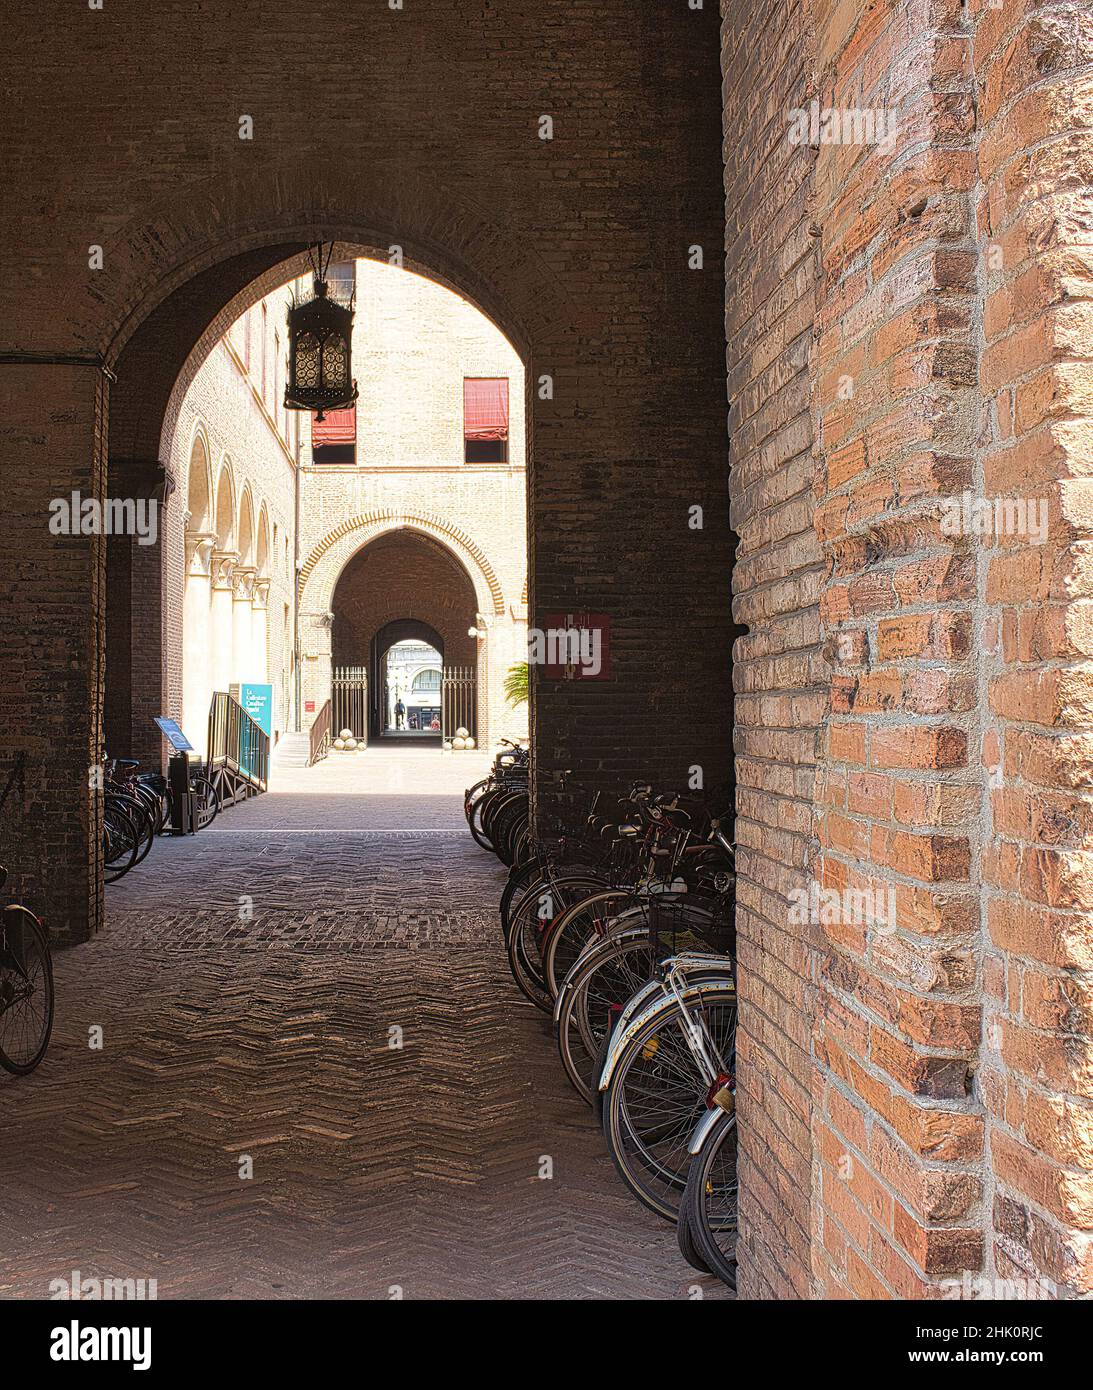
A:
174	735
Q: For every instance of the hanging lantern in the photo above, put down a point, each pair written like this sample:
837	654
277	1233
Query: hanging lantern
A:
320	353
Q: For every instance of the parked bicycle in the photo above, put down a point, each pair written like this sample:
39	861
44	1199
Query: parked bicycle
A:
137	808
623	929
26	988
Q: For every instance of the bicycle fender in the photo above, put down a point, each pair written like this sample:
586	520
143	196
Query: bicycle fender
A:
689	960
693	991
704	1129
592	953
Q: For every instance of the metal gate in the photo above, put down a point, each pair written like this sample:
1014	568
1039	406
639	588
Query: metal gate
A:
459	701
349	701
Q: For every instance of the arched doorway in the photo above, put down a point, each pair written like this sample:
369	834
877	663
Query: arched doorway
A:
404	587
407	676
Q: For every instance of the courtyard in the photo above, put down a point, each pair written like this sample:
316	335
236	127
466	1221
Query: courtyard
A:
378	1171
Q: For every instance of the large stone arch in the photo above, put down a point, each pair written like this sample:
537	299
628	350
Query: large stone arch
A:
198	260
177	276
547	258
319	572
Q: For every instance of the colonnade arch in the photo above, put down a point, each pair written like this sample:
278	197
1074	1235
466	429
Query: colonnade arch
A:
225	588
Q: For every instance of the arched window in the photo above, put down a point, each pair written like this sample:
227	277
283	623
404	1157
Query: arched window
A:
427	680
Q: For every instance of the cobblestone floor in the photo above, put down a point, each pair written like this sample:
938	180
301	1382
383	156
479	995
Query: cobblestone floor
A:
231	1043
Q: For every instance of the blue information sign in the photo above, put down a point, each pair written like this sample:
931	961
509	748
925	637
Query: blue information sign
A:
174	735
257	700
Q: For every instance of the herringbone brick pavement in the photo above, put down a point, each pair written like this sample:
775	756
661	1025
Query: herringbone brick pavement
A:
376	1167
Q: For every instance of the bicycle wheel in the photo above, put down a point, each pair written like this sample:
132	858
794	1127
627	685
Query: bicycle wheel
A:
504	825
472	794
26	991
121	842
688	1247
600	985
143	822
532	918
711	1201
481	809
658	1093
521	878
571	932
208	798
596	989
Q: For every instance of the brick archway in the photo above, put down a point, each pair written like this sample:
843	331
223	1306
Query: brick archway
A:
322	568
332	561
225	243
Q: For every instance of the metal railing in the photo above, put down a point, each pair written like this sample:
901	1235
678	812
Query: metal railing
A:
350	701
238	757
320	735
459	701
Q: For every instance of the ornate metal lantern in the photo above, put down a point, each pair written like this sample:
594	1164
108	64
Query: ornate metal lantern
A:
320	353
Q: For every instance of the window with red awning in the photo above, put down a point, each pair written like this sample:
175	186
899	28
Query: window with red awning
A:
485	408
336	427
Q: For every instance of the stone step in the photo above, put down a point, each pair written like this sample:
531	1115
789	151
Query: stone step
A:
293	750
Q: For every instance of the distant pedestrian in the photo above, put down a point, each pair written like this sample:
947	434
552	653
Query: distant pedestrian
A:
400	714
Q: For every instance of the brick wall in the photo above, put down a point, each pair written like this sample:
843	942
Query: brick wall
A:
402	575
771	268
944	1047
1033	227
51	445
898	1127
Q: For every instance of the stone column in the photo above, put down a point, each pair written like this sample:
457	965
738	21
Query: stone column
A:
196	627
223	569
242	605
259	632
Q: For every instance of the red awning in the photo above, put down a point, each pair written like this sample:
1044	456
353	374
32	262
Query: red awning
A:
336	427
485	407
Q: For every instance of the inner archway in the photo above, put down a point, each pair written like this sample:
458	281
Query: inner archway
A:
405	587
412	675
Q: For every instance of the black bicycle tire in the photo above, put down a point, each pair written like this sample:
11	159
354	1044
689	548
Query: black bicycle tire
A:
685	1238
32	924
695	1205
208	782
111	872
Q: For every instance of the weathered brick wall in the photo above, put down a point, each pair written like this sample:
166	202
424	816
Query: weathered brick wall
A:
52	656
949	1126
1033	69
947	363
898	1127
779	683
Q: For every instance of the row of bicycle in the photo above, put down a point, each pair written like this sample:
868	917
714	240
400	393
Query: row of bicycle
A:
137	806
621	927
